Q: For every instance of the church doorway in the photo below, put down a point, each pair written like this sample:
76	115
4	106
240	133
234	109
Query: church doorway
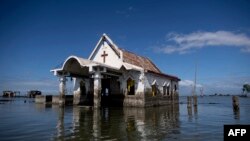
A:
82	88
105	91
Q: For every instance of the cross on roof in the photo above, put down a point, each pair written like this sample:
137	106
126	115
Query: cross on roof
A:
104	56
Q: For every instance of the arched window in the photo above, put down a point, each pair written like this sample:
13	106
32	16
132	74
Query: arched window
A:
154	88
131	86
168	90
164	89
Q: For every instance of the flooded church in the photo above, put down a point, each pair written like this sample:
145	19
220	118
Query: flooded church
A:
112	76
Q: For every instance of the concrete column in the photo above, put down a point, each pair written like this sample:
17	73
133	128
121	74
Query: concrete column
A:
62	86
97	89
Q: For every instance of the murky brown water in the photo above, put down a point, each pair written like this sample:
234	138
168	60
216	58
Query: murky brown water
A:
30	121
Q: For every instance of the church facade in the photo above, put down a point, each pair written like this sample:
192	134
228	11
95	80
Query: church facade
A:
112	76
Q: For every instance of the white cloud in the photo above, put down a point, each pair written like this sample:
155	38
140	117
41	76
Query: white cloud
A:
212	85
187	87
188	83
186	43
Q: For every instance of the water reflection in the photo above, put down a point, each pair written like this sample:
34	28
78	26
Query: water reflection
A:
96	123
196	112
236	114
118	123
40	122
192	115
42	107
60	123
151	123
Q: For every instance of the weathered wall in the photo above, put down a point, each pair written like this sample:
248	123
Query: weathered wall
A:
143	90
43	99
135	75
40	99
77	85
160	100
136	100
78	98
55	99
150	79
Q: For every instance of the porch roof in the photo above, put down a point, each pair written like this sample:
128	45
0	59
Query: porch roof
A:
84	64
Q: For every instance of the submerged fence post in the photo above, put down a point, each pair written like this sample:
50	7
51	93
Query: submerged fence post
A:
235	101
189	102
195	100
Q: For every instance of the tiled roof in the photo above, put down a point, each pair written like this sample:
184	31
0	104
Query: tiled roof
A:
140	61
145	63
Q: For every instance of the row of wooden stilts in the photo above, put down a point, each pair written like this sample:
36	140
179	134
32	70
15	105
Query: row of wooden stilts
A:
193	99
190	100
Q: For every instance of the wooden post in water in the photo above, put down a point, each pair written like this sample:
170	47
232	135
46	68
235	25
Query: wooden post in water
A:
194	91
195	100
189	102
235	101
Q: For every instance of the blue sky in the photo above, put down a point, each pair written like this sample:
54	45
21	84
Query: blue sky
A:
36	36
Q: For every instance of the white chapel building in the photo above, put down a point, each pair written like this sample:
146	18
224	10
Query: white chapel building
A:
112	76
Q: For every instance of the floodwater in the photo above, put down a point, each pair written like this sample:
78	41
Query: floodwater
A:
20	120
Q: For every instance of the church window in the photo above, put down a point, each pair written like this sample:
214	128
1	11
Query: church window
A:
131	86
154	89
168	90
164	90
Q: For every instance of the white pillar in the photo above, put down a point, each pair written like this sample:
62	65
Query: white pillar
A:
97	89
62	86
